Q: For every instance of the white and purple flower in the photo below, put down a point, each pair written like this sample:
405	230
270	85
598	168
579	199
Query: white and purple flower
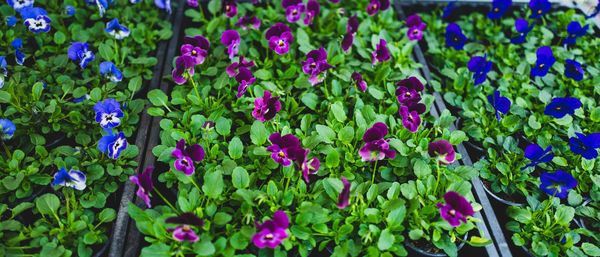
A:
112	144
108	113
80	51
73	178
116	30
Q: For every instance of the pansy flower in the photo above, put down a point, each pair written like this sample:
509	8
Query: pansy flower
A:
108	113
557	183
595	12
376	148
407	91
448	9
294	10
560	107
377	5
442	151
80	51
500	104
271	233
232	69
575	30
248	22
351	29
454	36
144	181
197	41
36	19
415	27
266	107
585	145
279	37
112	144
82	98
109	69
480	67
537	155
183	232
410	118
538	8
17	44
69	10
245	78
573	70
183	64
19	5
163	4
116	30
352	26
308	166
7	129
73	178
193	3
315	65
102	5
344	197
186	156
11	20
523	28
196	52
499	7
312	11
456	209
2	74
357	79
281	148
381	52
229	8
231	40
545	60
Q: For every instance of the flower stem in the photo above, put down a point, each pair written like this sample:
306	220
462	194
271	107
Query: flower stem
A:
325	87
165	200
66	193
437	179
196	185
288	180
6	150
374	170
193	84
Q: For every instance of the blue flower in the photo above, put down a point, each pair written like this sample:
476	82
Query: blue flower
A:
111	71
448	9
538	8
7	129
108	113
73	178
116	30
537	155
559	107
69	10
18	5
557	183
573	70
500	104
575	30
39	24
102	5
112	143
2	66
18	44
596	11
80	51
523	28
163	4
80	99
499	7
585	145
454	36
480	66
545	60
11	20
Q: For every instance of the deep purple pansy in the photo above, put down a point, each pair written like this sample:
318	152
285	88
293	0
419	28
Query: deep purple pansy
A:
184	232
501	104
538	8
377	5
73	178
308	166
245	78
312	11
557	183
248	22
585	145
480	66
183	64
442	151
232	69
280	37
231	39
523	28
281	148
229	8
198	41
410	119
193	3
316	65
266	107
186	156
344	198
108	113
575	30
271	233
381	52
112	144
376	148
357	79
545	60
293	13
144	181
560	107
80	51
499	7
197	53
456	209
415	27
454	36
573	70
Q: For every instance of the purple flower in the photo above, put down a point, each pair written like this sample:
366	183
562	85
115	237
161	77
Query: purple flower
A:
208	125
286	3
3	67
197	53
573	70
522	26
448	9
272	232
103	4
499	7
144	181
407	96
293	13
186	156
377	5
19	5
36	19
306	165
80	51
352	26
116	30
108	113
545	60
538	8
17	44
281	148
109	69
557	183
312	11
231	39
500	104
454	36
575	30
376	148
279	37
112	143
7	129
347	42
73	178
358	81
183	64
560	107
537	155
184	232
457	208
163	4
232	69
266	107
197	41
248	22
410	119
11	20
229	8
344	198
315	64
415	27
480	66
245	78
381	53
442	151
585	145
411	83
193	3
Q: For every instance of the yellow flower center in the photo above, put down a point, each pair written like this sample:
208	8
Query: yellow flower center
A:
539	12
281	154
541	66
496	9
194	52
295	11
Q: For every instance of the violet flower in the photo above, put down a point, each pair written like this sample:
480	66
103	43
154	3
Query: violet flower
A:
410	119
111	71
144	181
19	5
232	69
499	7
538	8
198	54
560	107
523	28
480	67
163	4
344	198
377	5
352	26
442	151
315	64
266	107
454	36
537	155
116	30
11	20
573	70
293	13
184	232
557	183
248	22
17	44
112	143
73	178
381	53
448	9
500	104
108	113
80	51
231	39
585	145
197	41
245	78
575	30
193	3
376	148
308	166
407	92
312	11
186	156
279	37
357	79
271	233
229	8
545	60
183	64
3	67
456	209
36	19
281	148
415	27
7	129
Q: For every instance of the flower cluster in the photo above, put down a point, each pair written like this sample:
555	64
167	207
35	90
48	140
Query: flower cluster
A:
409	97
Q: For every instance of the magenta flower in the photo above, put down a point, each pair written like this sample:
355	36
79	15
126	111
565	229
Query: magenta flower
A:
347	42
184	232
307	165
377	5
408	90
186	156
376	148
442	151
358	81
315	64
410	118
352	26
282	148
456	209
266	107
193	3
229	8
279	37
351	29
183	64
245	78
415	27
248	22
198	41
231	39
144	181
312	11
198	53
232	69
272	232
293	13
381	53
344	198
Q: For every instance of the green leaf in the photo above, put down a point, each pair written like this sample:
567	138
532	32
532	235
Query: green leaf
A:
333	158
479	242
59	38
309	99
386	240
338	111
533	123
595	114
213	184
457	137
156	250
539	248
37	89
415	234
395	217
258	133
519	214
4	97
205	247
272	188
107	215
135	84
158	97
236	148
47	203
223	126
346	135
590	249
105	51
214	6
421	169
564	214
21	207
221	218
240	178
326	133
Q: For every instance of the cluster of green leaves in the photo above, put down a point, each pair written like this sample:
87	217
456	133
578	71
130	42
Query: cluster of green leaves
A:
53	131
